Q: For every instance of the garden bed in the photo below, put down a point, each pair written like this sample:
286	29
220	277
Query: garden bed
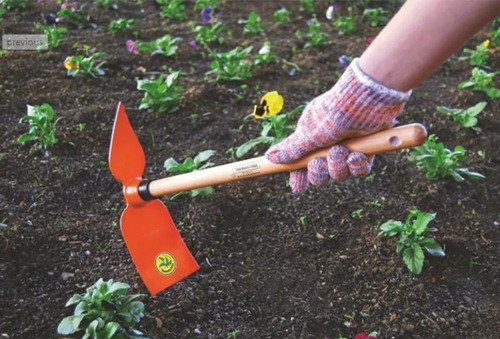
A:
273	264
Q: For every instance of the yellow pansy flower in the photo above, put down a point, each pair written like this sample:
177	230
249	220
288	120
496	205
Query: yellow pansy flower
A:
71	64
270	104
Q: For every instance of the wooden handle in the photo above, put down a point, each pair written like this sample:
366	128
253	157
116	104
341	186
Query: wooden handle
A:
389	140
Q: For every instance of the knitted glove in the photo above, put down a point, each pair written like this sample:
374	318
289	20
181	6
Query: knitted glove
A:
357	105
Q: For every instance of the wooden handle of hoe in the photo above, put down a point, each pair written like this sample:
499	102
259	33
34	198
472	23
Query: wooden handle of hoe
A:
388	140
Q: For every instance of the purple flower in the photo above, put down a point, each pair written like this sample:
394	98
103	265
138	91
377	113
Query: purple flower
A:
131	46
206	14
193	43
344	61
73	6
330	11
309	22
50	19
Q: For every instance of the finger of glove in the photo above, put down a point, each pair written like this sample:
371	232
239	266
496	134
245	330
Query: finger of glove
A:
292	148
337	163
298	181
359	164
317	171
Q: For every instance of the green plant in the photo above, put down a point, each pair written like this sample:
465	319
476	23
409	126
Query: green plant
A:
307	6
253	24
73	16
105	310
265	55
42	126
495	37
231	65
162	94
106	3
478	56
346	24
439	162
122	25
207	34
314	35
412	238
13	4
2	13
375	16
482	81
79	65
282	15
358	213
55	35
166	46
274	129
465	116
172	9
200	4
189	164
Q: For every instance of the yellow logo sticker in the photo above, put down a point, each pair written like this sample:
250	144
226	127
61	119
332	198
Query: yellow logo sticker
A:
165	263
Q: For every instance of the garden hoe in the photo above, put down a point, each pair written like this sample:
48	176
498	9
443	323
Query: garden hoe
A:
157	249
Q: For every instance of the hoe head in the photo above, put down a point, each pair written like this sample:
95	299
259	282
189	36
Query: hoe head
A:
157	249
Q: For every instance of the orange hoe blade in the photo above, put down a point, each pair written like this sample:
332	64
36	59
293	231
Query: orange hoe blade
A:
156	247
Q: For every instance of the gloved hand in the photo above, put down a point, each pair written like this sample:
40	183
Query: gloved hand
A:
357	105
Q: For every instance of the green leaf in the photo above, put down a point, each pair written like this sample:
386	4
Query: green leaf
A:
391	228
247	146
119	286
201	191
76	298
413	257
423	219
69	324
203	156
432	247
110	329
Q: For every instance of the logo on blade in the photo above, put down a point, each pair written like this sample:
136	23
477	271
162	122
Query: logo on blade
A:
165	263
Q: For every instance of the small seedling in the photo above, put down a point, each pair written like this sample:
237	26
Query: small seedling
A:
282	15
162	94
13	4
314	35
479	56
412	238
482	81
265	55
376	16
42	126
231	65
274	129
439	162
166	46
357	214
80	65
307	6
207	34
189	164
122	25
172	9
346	24
105	310
107	4
200	4
253	24
465	116
80	127
55	35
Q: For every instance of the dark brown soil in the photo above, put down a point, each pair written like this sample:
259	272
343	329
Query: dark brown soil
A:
265	272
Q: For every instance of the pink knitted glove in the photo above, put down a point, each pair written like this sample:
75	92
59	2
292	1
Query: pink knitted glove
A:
355	106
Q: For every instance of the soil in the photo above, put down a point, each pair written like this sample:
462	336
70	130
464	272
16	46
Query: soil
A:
273	264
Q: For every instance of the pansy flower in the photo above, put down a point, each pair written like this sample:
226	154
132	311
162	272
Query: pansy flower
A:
331	11
193	43
206	14
131	46
73	6
270	104
345	61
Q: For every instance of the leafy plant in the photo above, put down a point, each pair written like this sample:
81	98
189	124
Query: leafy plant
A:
376	16
282	15
166	46
314	35
74	16
13	4
122	25
479	56
495	37
482	81
412	238
200	4
274	129
55	35
172	9
79	65
2	13
42	126
105	310
207	34
189	164
346	24
307	6
465	116
253	24
265	55
439	162
162	94
231	65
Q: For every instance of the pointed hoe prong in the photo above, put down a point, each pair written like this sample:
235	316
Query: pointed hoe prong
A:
126	156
